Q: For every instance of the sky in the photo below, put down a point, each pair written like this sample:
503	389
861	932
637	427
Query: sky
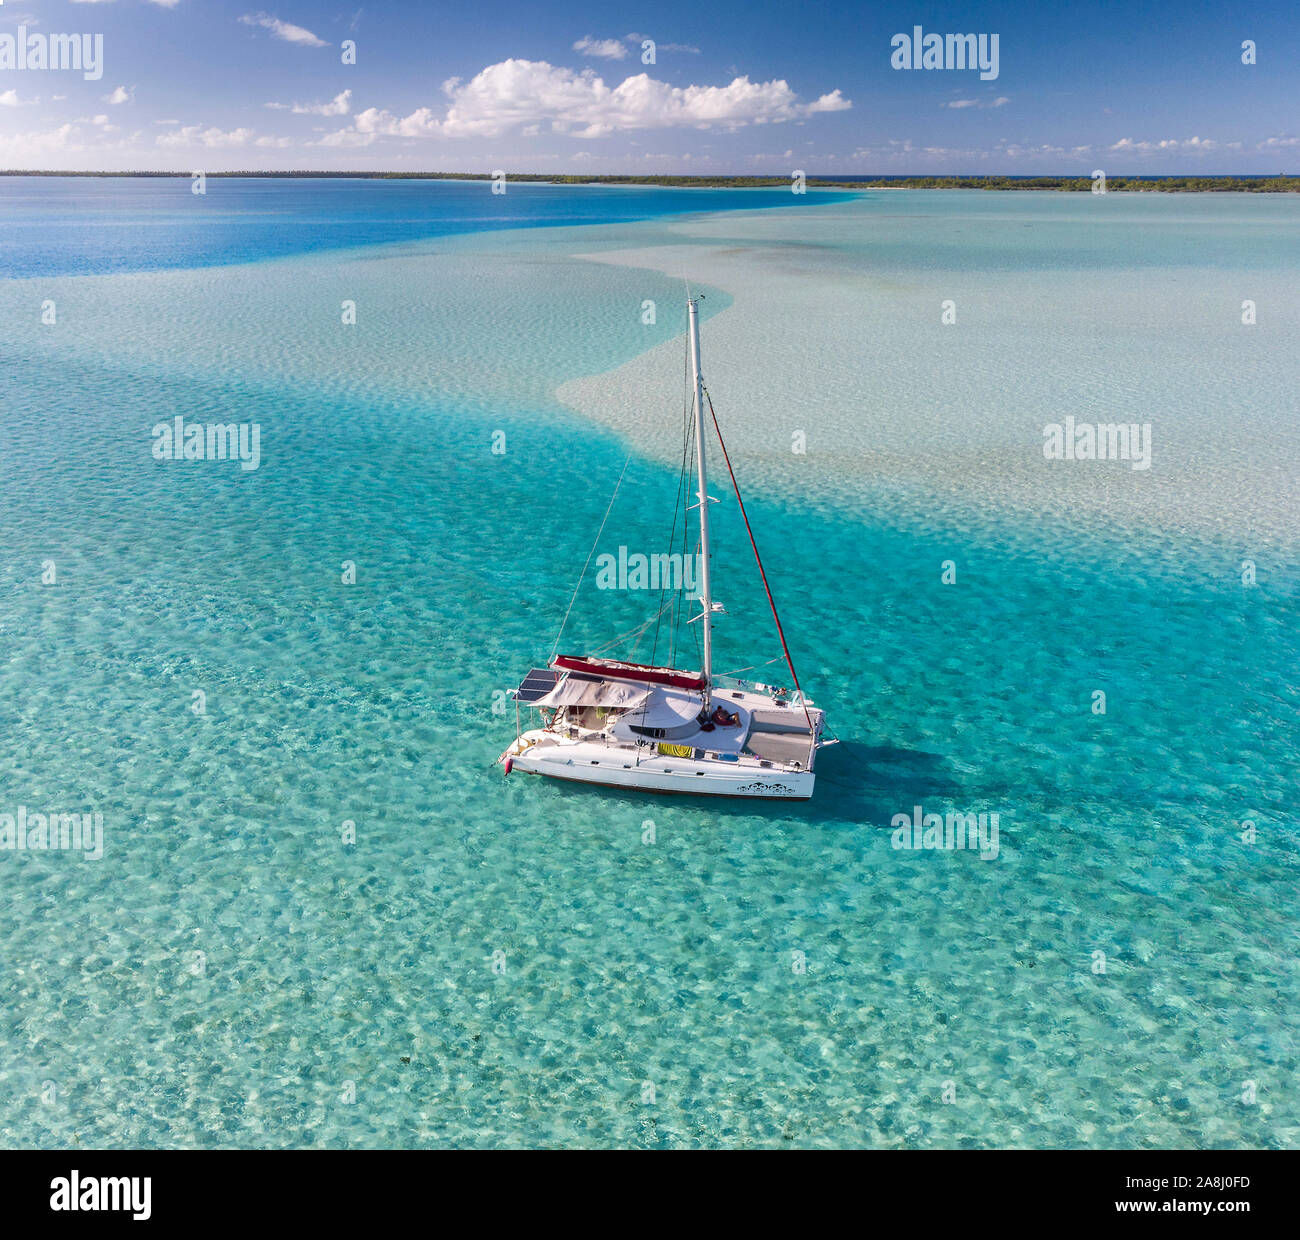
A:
677	86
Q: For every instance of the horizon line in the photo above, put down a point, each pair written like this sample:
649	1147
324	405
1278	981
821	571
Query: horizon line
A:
779	178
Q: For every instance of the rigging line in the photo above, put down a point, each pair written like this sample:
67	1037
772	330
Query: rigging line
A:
672	534
590	553
780	632
629	635
780	658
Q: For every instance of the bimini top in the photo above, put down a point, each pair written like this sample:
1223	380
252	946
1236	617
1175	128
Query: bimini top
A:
667	710
641	673
578	691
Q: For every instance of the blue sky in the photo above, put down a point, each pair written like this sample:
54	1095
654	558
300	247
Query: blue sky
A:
734	87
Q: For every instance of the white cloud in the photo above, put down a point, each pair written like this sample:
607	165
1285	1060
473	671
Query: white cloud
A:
20	146
71	141
999	102
1190	145
340	105
664	47
100	122
607	49
120	94
347	137
9	99
197	135
165	4
283	30
516	94
379	122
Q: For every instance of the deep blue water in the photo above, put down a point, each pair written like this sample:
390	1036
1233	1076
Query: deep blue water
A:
79	225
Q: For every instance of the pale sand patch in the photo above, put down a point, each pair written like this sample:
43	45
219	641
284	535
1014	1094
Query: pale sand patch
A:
835	339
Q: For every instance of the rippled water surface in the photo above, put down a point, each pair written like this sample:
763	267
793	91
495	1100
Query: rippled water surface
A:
503	961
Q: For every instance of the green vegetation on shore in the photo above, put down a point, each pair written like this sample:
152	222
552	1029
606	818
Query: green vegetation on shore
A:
1165	184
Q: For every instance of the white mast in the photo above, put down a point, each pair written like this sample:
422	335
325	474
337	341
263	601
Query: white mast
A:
706	593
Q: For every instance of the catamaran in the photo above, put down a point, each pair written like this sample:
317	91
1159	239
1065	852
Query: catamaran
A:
660	728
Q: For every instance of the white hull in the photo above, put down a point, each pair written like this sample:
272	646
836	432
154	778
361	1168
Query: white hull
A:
646	770
651	728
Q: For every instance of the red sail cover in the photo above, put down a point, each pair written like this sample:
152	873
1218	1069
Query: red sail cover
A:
641	673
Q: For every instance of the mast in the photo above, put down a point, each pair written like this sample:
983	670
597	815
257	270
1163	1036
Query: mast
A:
701	473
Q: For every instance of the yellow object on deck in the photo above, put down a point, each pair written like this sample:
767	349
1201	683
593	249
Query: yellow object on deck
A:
675	751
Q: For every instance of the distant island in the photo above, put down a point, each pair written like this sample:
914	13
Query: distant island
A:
1259	184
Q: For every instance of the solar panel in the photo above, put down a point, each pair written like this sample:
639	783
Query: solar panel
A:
537	684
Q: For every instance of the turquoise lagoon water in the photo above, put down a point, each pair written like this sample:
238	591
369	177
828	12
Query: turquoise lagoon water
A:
232	974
